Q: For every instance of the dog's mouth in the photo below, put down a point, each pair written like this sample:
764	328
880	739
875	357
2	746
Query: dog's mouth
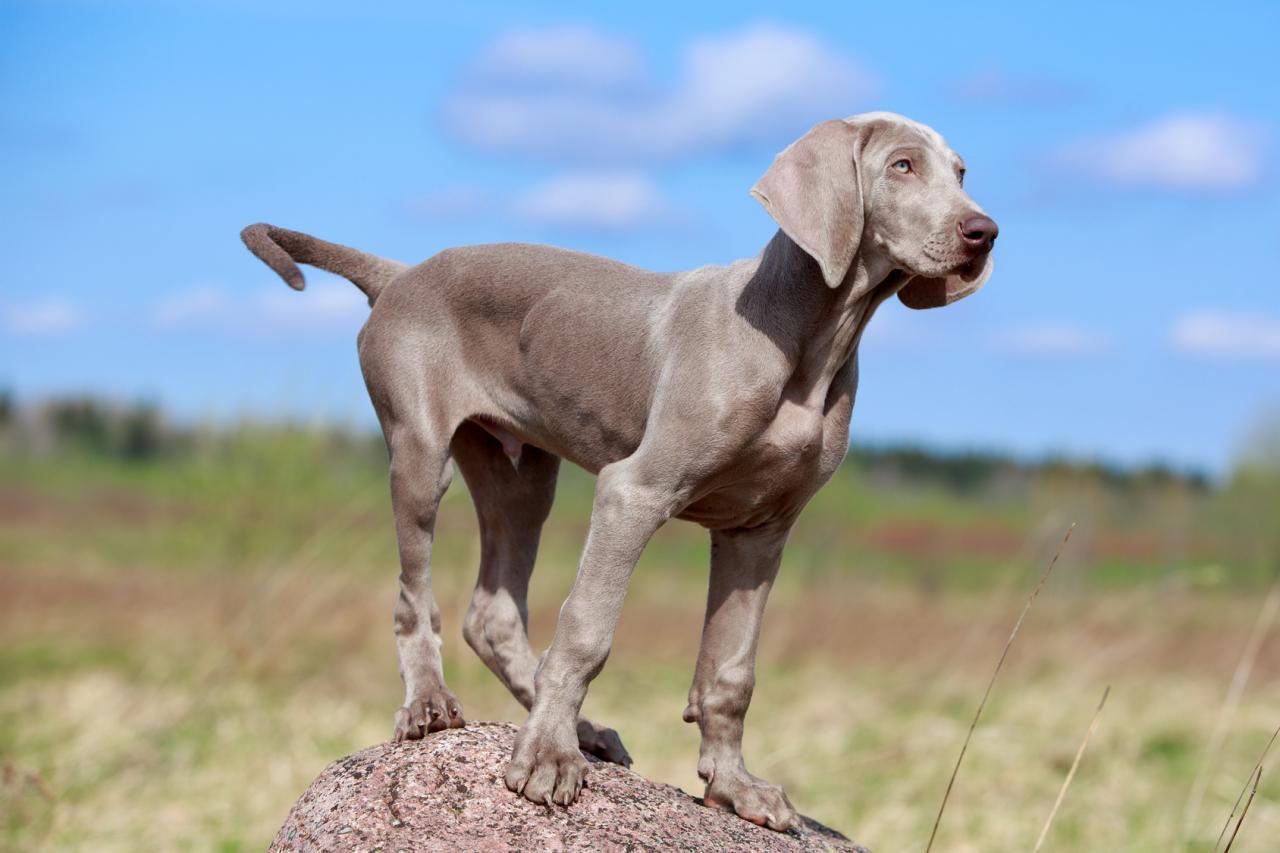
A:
964	265
972	268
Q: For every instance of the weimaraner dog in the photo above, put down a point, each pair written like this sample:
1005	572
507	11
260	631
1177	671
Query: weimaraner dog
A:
721	395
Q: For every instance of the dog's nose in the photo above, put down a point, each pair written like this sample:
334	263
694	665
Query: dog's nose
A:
978	232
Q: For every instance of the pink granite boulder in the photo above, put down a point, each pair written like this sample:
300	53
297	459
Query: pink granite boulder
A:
445	793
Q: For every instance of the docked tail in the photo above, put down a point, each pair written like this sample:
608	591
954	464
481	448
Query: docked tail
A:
282	250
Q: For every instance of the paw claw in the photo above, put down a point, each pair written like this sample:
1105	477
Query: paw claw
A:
515	779
752	799
423	716
546	768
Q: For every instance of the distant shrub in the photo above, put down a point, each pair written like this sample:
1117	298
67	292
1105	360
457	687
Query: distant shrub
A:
132	432
971	472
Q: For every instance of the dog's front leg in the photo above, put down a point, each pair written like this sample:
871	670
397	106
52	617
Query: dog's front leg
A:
630	504
743	566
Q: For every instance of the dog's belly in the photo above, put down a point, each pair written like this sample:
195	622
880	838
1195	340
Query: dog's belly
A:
585	386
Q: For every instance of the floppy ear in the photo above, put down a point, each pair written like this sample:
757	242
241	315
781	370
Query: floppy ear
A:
812	192
921	292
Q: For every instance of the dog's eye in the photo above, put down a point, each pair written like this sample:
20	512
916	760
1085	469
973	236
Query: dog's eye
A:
960	175
903	166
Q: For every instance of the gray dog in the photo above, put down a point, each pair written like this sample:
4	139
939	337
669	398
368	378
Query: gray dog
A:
721	395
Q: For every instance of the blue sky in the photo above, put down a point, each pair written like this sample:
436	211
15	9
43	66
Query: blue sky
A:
1129	152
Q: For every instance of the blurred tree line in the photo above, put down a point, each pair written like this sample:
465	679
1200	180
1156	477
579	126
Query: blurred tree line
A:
967	472
1177	523
1250	500
140	432
136	431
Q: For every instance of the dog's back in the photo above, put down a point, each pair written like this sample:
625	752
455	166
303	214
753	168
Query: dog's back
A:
549	338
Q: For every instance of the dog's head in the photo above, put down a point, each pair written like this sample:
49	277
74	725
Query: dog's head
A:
880	183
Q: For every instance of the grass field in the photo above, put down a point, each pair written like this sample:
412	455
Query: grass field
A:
186	641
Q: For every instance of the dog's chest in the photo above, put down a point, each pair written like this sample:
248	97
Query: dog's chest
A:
775	474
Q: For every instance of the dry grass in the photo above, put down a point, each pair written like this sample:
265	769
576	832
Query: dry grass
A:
1255	777
1239	680
166	711
1253	792
1004	655
1071	774
179	658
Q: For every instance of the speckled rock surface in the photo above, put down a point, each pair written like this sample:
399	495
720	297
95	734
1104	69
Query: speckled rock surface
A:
445	793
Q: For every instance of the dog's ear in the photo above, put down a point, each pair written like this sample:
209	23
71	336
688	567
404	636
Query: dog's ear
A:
812	192
921	292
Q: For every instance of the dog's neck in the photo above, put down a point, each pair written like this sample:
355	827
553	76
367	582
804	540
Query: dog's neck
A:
816	327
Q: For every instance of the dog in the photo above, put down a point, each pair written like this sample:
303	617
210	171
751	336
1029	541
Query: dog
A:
721	395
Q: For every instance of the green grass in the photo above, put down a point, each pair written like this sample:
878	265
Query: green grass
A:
263	496
185	642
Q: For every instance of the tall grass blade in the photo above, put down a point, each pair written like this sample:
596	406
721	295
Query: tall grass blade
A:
1257	769
1257	777
1249	655
1066	783
986	695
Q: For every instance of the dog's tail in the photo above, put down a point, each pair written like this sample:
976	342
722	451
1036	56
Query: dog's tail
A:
282	250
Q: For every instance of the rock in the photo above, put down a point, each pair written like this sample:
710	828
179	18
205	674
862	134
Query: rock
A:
445	793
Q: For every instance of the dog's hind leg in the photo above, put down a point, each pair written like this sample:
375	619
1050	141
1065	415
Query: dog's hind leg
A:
420	474
512	502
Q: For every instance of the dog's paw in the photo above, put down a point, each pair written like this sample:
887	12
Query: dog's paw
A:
751	798
602	742
432	713
546	766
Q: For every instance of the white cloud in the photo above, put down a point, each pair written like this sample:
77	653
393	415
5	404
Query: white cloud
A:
191	306
593	200
450	203
893	328
55	315
1228	335
579	94
1184	151
994	86
588	200
328	303
1050	340
571	57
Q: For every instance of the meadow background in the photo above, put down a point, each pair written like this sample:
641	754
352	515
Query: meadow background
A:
197	566
194	622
